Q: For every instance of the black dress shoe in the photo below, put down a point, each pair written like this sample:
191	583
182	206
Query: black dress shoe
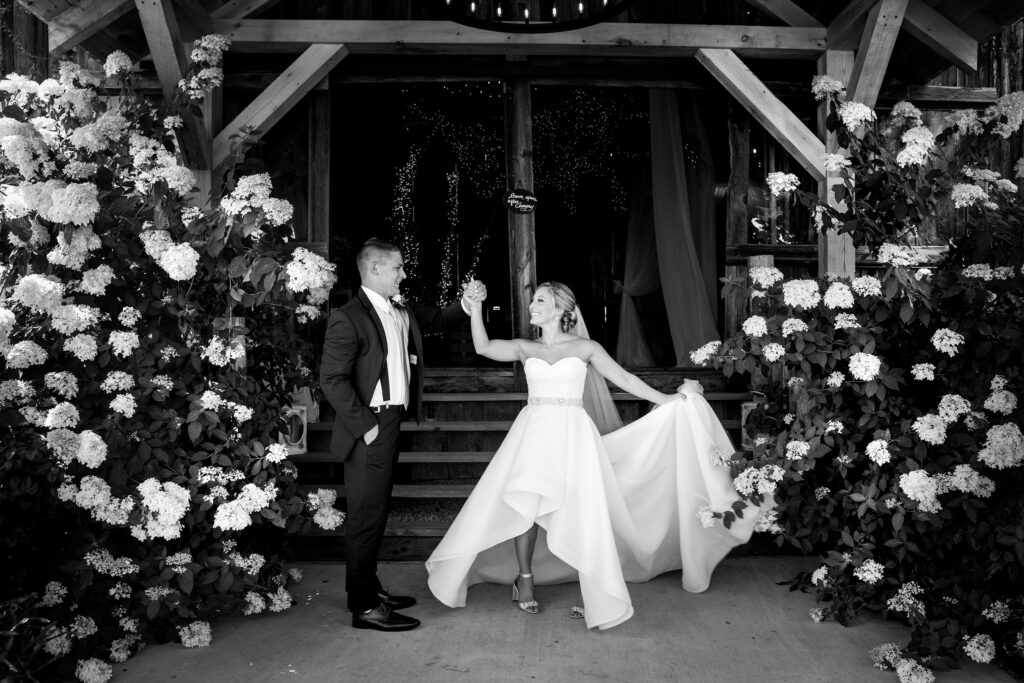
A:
382	618
395	601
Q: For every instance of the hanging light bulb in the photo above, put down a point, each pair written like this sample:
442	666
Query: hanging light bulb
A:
554	12
472	7
581	8
526	13
499	11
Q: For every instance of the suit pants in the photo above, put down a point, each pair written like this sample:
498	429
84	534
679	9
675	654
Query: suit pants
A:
368	478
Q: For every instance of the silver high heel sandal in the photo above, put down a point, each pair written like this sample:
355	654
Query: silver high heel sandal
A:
530	606
577	611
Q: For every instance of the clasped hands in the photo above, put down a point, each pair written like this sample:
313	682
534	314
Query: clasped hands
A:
473	294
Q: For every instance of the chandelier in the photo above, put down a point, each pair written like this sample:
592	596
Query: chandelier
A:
531	16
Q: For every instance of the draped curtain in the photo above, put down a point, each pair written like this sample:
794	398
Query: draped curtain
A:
671	238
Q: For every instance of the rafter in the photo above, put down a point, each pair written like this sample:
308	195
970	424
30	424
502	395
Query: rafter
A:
797	139
880	31
444	37
280	96
786	11
845	31
941	35
240	9
78	23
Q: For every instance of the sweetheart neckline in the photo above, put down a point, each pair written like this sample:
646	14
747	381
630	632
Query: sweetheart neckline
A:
551	365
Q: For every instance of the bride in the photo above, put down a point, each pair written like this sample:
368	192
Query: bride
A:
576	505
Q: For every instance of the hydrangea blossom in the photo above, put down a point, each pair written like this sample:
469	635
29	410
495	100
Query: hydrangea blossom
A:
780	183
797	449
834	163
96	280
82	346
801	293
947	341
755	326
163	505
906	110
93	670
324	514
311	273
702	355
922	488
870	572
923	371
123	344
878	451
897	255
846	321
822	86
931	428
25	354
965	195
765	276
981	648
867	285
38	293
854	114
835	380
762	480
838	295
706	516
1004	446
952	406
865	366
179	261
773	352
196	634
118	64
919	142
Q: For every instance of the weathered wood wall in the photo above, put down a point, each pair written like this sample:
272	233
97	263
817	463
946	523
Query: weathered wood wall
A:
24	45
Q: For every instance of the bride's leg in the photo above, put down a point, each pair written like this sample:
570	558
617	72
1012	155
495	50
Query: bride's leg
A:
525	544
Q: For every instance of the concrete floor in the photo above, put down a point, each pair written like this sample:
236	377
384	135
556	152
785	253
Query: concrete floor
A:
745	628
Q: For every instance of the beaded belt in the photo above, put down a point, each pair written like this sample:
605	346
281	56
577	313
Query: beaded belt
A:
552	401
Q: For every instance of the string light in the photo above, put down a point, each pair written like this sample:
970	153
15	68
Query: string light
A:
499	11
526	13
581	8
472	7
554	12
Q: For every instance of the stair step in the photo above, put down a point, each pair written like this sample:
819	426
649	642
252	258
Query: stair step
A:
415	457
467	426
469	396
432	426
405	529
405	490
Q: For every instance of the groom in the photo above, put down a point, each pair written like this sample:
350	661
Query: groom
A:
371	372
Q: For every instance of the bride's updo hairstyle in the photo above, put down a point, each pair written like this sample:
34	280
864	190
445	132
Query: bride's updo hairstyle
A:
565	300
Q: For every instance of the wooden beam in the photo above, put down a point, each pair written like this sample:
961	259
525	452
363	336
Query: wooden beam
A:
195	16
79	22
941	35
240	9
845	31
880	31
318	215
802	144
444	37
168	52
280	96
160	25
786	11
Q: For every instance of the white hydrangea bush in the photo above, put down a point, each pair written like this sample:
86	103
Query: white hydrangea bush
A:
890	438
147	353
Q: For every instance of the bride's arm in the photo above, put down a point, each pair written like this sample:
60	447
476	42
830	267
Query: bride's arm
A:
620	377
495	349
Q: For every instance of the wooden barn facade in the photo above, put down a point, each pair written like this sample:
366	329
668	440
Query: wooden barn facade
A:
411	119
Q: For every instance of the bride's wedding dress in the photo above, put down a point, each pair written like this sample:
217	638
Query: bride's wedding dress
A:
611	509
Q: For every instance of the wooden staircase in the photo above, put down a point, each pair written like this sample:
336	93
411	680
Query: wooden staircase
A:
467	411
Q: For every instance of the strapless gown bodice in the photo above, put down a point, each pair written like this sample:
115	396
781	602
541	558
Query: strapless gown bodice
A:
562	380
611	509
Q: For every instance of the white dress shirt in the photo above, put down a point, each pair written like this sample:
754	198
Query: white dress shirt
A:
396	332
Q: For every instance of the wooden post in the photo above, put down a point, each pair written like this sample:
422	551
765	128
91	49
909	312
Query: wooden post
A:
835	252
522	241
736	208
24	47
319	214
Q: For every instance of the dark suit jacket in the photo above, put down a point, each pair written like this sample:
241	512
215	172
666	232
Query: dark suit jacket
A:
354	356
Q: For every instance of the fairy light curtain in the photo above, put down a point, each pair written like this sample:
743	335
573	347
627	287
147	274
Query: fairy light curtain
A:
671	238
